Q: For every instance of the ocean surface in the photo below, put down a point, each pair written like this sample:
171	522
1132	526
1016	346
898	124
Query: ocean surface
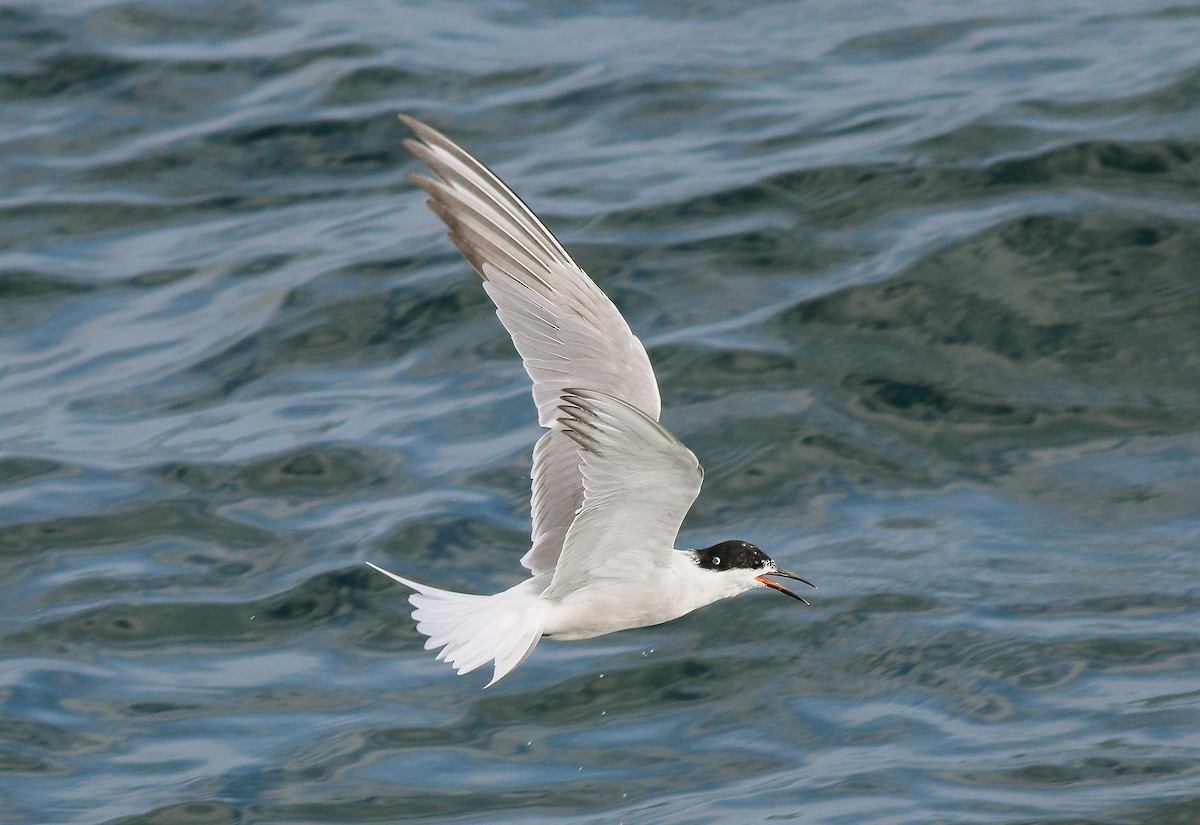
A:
921	285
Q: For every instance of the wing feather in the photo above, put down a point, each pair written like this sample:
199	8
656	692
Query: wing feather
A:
639	482
568	333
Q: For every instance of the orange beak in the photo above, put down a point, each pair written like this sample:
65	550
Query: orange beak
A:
777	586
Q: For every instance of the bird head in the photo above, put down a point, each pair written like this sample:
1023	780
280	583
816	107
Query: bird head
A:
746	565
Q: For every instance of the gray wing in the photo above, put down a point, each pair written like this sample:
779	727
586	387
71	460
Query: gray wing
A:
639	482
566	330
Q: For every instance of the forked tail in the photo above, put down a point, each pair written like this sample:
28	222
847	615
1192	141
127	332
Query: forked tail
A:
474	630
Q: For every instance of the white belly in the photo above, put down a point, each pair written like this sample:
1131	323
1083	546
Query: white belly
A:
597	610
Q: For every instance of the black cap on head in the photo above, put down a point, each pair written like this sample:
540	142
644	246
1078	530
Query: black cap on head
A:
729	555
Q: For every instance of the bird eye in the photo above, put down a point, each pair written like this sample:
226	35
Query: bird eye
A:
716	561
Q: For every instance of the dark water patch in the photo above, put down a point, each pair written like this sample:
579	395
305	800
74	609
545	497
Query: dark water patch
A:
675	684
1178	809
190	813
273	160
15	764
806	455
153	279
1104	302
840	196
914	41
739	368
179	625
1081	771
201	572
384	329
384	82
321	597
917	40
372	327
637	759
1183	700
291	61
16	470
392	804
93	214
399	267
152	521
643	102
1174	96
1011	660
895	603
34	287
1126	605
851	195
1171	163
366	84
452	551
312	472
1125	482
129	628
65	75
790	250
330	144
901	671
266	701
1129	653
988	675
93	218
290	485
316	333
47	738
25	28
832	195
139	22
989	140
1082	271
927	402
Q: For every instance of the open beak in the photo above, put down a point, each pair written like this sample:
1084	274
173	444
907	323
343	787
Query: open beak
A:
777	586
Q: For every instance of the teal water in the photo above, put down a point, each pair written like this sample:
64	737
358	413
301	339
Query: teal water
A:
920	284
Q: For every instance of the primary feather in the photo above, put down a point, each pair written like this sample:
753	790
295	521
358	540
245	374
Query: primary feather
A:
566	330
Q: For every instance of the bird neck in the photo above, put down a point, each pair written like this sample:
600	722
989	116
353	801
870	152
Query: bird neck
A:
698	586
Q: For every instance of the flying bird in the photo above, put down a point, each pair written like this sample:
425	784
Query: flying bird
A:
610	485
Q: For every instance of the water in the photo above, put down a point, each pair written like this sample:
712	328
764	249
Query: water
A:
919	282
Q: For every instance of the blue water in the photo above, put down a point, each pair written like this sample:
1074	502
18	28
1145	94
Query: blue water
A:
919	281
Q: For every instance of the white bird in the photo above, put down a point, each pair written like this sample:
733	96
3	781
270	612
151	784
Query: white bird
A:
610	485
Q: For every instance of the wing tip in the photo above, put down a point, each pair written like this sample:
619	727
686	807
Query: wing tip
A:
420	128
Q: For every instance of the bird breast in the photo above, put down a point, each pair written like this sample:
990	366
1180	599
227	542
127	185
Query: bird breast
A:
608	605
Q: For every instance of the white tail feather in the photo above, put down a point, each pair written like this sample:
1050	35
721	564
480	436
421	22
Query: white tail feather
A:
474	630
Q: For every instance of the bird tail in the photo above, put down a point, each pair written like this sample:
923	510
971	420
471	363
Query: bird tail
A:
474	630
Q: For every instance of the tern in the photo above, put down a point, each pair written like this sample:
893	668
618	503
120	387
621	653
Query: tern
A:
610	485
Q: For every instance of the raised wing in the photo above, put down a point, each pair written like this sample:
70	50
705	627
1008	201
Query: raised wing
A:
639	482
566	330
